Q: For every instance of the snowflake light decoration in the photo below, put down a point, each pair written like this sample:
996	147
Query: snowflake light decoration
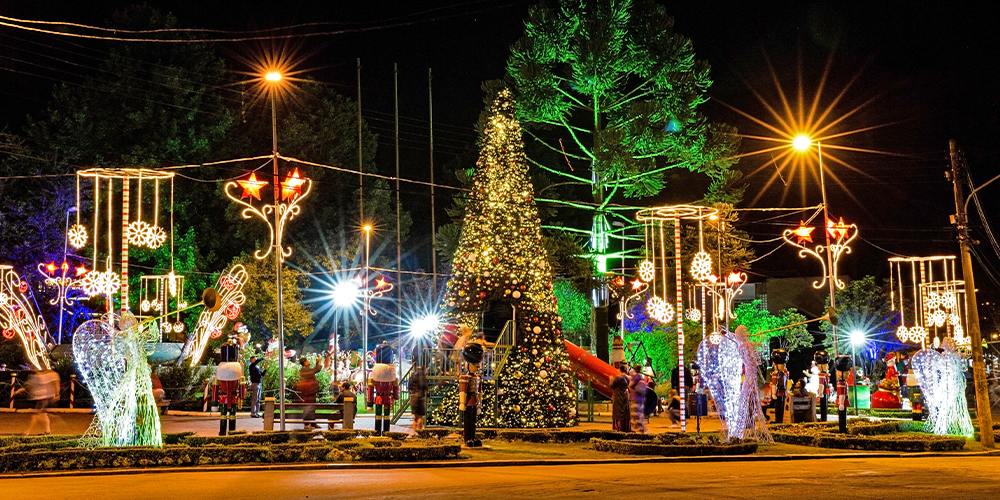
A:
660	309
693	314
915	334
142	234
701	266
99	283
932	300
647	271
77	236
937	318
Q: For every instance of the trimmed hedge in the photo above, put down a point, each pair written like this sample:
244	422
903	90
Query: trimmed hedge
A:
397	436
6	441
434	433
568	436
634	447
41	445
408	453
345	434
863	435
264	437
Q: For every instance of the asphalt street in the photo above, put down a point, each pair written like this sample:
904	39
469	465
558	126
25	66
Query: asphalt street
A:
874	478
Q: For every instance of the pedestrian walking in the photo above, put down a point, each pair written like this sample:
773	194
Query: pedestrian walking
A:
43	389
256	378
620	420
674	408
637	399
417	387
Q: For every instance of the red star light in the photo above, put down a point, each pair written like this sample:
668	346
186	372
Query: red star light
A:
51	267
292	185
837	231
734	278
80	271
251	186
380	283
804	233
636	284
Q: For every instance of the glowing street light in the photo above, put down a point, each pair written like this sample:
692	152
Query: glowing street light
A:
423	325
801	142
857	337
273	76
345	294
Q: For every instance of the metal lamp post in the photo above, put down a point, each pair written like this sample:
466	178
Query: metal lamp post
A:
62	303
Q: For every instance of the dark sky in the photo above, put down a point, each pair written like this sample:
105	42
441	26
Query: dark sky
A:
927	74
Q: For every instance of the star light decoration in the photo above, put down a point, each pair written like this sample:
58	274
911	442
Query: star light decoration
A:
841	235
724	291
627	293
293	189
57	277
19	317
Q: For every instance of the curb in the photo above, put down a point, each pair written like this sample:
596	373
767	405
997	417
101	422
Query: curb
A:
489	463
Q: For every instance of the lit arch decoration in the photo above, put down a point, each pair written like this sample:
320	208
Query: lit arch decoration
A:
19	317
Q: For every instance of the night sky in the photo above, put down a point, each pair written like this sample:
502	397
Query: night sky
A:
925	74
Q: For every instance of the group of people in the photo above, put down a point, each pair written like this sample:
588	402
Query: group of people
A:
634	400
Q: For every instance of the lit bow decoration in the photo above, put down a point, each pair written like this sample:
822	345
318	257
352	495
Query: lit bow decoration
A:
841	236
627	294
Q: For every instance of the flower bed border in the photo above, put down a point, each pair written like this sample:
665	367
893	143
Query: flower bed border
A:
647	447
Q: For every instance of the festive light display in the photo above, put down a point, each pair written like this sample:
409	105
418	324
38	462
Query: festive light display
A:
701	266
19	317
136	230
500	259
294	189
56	277
156	293
654	221
842	235
942	384
111	357
936	300
212	323
646	271
728	371
724	292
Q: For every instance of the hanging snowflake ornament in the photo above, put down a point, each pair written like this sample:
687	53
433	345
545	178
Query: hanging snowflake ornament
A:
99	283
660	310
932	300
77	236
647	271
142	234
948	300
937	318
701	266
693	314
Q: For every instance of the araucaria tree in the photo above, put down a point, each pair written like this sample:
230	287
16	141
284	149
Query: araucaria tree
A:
500	259
610	87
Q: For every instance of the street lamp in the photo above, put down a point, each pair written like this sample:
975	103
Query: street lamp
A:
857	338
62	303
287	195
364	329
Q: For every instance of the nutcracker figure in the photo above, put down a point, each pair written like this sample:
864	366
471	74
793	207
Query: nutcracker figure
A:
779	384
228	387
383	388
468	392
617	351
844	365
916	397
822	359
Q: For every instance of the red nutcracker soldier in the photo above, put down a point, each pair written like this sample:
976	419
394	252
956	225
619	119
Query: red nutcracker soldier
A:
468	392
228	389
822	359
779	384
383	388
844	364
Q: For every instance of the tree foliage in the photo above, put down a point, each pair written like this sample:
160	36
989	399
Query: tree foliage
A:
864	306
757	319
260	312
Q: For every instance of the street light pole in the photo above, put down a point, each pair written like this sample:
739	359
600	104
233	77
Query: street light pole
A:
367	305
62	302
275	77
841	412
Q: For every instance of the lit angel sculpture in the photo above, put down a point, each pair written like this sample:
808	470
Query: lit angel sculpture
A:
730	372
942	382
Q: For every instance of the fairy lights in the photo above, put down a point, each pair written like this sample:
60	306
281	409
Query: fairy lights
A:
942	383
659	309
724	366
935	300
701	266
77	236
19	317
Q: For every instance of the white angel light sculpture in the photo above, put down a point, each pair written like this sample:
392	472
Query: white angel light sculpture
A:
730	371
942	383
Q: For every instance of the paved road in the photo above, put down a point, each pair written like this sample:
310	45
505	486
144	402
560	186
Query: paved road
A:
937	477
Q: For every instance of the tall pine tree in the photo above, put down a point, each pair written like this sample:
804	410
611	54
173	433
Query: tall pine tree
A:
500	259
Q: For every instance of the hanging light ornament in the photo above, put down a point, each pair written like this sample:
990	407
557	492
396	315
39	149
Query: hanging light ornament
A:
659	309
646	271
77	236
937	306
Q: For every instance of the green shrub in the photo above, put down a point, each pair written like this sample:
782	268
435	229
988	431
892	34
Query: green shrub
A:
262	437
647	447
434	433
407	453
397	436
345	434
872	436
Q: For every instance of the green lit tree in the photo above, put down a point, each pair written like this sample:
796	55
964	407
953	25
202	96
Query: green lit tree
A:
612	90
757	319
499	258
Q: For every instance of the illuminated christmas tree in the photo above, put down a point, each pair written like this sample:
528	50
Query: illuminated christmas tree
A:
500	259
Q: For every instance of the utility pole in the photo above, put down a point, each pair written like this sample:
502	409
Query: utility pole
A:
972	310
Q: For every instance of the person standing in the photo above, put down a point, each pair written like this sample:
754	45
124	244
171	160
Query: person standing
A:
619	402
417	387
308	387
43	389
637	399
256	378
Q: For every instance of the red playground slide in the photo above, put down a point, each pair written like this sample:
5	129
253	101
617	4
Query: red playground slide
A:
590	368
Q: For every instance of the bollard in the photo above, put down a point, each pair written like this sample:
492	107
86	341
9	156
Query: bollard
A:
349	408
269	414
72	389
